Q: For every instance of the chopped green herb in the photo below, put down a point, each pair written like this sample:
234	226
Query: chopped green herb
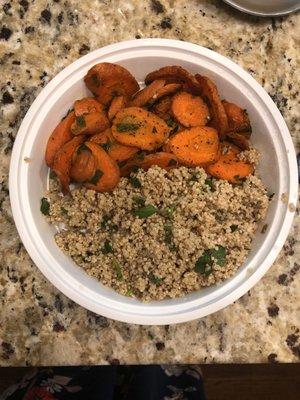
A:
96	80
97	175
204	264
127	127
64	211
219	255
122	163
80	121
172	162
105	221
52	174
129	293
155	279
209	183
168	228
271	195
135	182
145	211
233	227
83	147
140	155
139	200
107	248
45	206
106	146
171	122
168	211
135	168
118	270
264	228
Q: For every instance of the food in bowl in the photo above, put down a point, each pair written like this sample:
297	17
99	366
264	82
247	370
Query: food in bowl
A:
166	197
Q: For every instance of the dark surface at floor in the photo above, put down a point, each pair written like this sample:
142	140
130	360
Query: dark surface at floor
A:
226	382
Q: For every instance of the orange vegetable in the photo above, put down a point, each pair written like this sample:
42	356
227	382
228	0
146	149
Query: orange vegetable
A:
238	120
145	95
107	173
87	105
196	146
63	161
238	139
119	152
117	104
83	164
108	80
90	124
167	90
134	126
61	135
162	159
210	95
190	110
102	137
229	167
163	108
175	74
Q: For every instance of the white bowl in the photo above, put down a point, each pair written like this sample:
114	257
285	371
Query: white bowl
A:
28	179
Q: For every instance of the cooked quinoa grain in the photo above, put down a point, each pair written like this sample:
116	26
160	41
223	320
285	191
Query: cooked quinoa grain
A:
173	234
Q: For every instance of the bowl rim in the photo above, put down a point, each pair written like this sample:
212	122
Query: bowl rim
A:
248	10
106	310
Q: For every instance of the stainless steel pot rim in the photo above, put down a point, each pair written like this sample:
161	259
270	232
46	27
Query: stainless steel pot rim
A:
245	7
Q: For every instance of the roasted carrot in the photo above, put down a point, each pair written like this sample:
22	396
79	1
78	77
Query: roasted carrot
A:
119	152
175	74
108	80
210	95
163	108
145	95
238	139
238	120
195	146
83	164
63	161
117	104
61	135
102	137
190	110
161	159
228	166
107	173
134	126
90	124
167	90
87	105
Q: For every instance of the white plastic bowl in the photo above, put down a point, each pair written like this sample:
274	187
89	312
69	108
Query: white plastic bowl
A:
28	180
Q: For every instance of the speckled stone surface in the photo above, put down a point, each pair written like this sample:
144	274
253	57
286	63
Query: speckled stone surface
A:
38	325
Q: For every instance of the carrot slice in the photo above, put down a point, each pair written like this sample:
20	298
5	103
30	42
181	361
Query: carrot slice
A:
229	167
195	146
83	164
238	139
108	80
210	95
107	173
238	120
102	137
175	74
63	161
167	90
162	159
163	108
90	123
117	104
145	95
134	126
61	135
190	110
87	105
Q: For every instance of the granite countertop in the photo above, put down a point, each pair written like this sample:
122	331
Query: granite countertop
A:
39	325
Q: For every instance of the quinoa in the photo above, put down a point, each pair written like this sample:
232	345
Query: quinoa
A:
198	234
